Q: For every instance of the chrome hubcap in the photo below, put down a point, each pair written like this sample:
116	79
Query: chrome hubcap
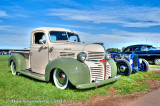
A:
158	61
123	68
62	78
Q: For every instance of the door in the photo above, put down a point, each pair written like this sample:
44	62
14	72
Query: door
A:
39	53
140	51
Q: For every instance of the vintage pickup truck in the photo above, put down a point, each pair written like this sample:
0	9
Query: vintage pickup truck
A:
57	55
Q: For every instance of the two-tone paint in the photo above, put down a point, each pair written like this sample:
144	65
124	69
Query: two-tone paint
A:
42	59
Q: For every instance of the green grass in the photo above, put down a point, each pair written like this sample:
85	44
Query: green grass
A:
24	89
154	66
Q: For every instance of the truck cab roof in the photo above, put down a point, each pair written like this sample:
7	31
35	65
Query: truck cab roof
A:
47	29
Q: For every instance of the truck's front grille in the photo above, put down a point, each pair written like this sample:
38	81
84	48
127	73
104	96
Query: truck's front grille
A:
108	70
95	55
67	54
96	70
135	62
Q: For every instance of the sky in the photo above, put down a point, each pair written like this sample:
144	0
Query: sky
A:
116	23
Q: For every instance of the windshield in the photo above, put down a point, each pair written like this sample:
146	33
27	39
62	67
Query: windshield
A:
62	35
152	48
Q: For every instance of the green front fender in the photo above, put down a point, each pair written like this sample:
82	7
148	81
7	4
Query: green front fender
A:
19	61
113	67
76	71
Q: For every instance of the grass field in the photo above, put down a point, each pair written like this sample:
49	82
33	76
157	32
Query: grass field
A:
23	90
154	66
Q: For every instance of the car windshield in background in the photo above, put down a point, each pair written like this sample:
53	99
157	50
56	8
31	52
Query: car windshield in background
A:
59	35
152	48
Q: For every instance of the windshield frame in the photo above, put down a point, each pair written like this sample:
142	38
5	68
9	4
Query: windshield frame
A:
78	38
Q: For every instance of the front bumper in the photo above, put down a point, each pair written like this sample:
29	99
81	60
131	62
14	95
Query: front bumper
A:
94	84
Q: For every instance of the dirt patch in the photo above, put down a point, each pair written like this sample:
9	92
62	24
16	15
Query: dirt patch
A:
138	82
119	100
112	91
154	69
154	84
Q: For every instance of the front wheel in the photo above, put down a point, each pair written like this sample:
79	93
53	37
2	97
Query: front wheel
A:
60	79
13	68
124	67
144	66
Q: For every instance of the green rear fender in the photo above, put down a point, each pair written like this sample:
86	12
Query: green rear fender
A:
76	71
113	67
19	61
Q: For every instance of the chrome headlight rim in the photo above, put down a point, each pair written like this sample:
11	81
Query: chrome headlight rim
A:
130	61
108	56
82	56
140	60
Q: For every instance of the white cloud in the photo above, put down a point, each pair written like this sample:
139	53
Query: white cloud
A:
79	27
121	39
14	36
125	16
3	13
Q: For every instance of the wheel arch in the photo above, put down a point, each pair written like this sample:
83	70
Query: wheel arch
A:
73	68
19	61
113	67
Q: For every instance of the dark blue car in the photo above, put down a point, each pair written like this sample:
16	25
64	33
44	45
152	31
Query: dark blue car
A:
144	51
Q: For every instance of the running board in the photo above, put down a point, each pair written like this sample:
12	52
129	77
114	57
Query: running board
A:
33	75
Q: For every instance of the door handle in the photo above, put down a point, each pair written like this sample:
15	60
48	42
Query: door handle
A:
51	49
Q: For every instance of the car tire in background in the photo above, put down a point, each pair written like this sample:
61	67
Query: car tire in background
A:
144	65
157	61
124	67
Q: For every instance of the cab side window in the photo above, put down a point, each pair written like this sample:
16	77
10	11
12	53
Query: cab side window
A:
38	36
129	49
136	48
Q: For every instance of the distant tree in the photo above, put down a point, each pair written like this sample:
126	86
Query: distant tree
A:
123	48
113	49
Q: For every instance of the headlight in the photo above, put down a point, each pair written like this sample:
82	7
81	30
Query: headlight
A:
108	56
82	56
131	61
140	61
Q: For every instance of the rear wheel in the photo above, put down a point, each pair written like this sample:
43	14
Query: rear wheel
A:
13	68
124	67
144	66
157	61
60	79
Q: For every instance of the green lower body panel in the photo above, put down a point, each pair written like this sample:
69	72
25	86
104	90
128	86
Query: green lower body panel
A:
99	83
32	76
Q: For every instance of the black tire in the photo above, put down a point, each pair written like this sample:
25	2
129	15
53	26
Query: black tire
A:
157	61
144	65
127	67
63	83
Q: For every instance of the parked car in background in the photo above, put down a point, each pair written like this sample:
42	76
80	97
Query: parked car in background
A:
144	51
128	63
2	53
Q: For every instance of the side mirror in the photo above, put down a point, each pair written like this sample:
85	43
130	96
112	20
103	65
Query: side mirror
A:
41	41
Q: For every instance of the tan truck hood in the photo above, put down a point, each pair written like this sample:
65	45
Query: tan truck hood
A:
79	47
